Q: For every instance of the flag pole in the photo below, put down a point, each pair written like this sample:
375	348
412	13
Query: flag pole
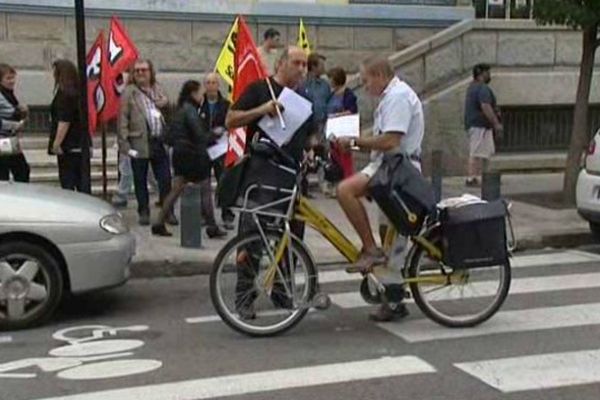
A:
275	100
104	174
85	183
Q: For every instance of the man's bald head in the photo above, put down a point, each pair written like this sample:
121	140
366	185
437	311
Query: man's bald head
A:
211	83
291	67
376	74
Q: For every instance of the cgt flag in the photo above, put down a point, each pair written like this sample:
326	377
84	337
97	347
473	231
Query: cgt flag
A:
95	69
303	38
248	69
225	65
120	53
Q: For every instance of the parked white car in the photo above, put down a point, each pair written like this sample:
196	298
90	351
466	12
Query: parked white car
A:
588	186
53	242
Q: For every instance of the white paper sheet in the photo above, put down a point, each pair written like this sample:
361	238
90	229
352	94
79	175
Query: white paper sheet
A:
296	111
345	126
217	150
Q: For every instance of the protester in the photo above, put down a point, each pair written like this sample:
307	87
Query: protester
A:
213	112
12	119
398	127
68	136
268	50
341	102
317	90
189	137
141	127
482	121
254	103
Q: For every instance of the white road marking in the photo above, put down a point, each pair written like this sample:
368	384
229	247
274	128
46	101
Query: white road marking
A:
96	348
424	330
536	372
265	381
6	339
110	369
216	318
528	285
483	289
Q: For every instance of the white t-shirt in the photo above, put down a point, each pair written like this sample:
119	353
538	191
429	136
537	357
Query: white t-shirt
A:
400	110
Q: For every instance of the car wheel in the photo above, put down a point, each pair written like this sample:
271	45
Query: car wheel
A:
595	228
31	285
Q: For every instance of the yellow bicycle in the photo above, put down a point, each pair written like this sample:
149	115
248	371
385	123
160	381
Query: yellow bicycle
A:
265	280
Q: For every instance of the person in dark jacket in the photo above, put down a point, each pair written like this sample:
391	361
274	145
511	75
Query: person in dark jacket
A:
67	135
191	164
213	112
12	119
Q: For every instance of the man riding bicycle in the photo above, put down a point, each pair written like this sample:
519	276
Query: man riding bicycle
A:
398	127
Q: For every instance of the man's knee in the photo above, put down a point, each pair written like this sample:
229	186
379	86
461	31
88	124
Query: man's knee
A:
354	186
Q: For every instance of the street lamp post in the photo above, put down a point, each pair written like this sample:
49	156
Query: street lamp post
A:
86	181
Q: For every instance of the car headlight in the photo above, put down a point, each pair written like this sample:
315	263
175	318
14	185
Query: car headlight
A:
114	224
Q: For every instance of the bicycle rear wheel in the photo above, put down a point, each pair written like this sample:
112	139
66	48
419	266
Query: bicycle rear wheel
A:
457	298
240	288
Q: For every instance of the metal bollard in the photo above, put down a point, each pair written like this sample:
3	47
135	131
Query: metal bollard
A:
436	174
191	217
490	183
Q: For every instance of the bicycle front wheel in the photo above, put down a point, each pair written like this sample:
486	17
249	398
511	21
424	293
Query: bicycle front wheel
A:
253	297
457	298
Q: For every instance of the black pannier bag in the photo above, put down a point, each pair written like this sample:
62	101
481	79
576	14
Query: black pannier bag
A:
402	193
264	166
474	235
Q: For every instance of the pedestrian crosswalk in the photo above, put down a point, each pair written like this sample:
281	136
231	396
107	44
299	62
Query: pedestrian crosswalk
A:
545	338
544	371
265	381
547	273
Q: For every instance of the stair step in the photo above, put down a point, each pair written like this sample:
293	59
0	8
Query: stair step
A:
39	142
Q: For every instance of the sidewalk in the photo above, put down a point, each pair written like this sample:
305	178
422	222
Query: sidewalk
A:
536	227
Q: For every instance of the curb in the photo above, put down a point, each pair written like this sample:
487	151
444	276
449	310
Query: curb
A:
148	269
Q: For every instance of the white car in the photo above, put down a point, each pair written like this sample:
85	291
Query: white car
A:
588	186
52	242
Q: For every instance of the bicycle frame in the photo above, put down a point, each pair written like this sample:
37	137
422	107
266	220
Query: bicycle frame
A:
300	208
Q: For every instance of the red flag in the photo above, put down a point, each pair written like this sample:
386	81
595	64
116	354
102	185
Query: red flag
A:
95	70
121	53
248	68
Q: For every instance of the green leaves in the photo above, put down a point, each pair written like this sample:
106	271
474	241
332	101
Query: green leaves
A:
578	14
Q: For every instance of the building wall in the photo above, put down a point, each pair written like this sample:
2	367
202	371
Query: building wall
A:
531	65
184	38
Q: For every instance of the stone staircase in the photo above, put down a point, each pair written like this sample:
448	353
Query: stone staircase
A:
44	168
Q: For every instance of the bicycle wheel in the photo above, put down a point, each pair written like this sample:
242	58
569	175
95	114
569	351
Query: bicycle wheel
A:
456	298
240	288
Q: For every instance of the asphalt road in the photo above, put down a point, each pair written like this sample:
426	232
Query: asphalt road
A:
146	341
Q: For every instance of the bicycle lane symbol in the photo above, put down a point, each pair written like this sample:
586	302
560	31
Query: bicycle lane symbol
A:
93	356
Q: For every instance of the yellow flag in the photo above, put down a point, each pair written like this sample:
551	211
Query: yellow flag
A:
225	63
303	38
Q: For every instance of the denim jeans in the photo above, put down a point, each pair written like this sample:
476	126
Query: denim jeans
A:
159	160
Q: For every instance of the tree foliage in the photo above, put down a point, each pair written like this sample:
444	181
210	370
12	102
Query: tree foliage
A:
578	14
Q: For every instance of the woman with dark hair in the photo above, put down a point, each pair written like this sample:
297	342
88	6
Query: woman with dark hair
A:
12	119
67	135
189	136
341	102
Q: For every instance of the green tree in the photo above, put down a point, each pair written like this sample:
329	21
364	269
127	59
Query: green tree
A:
582	15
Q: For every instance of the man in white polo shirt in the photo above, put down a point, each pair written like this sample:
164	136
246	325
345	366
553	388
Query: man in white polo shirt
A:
398	127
